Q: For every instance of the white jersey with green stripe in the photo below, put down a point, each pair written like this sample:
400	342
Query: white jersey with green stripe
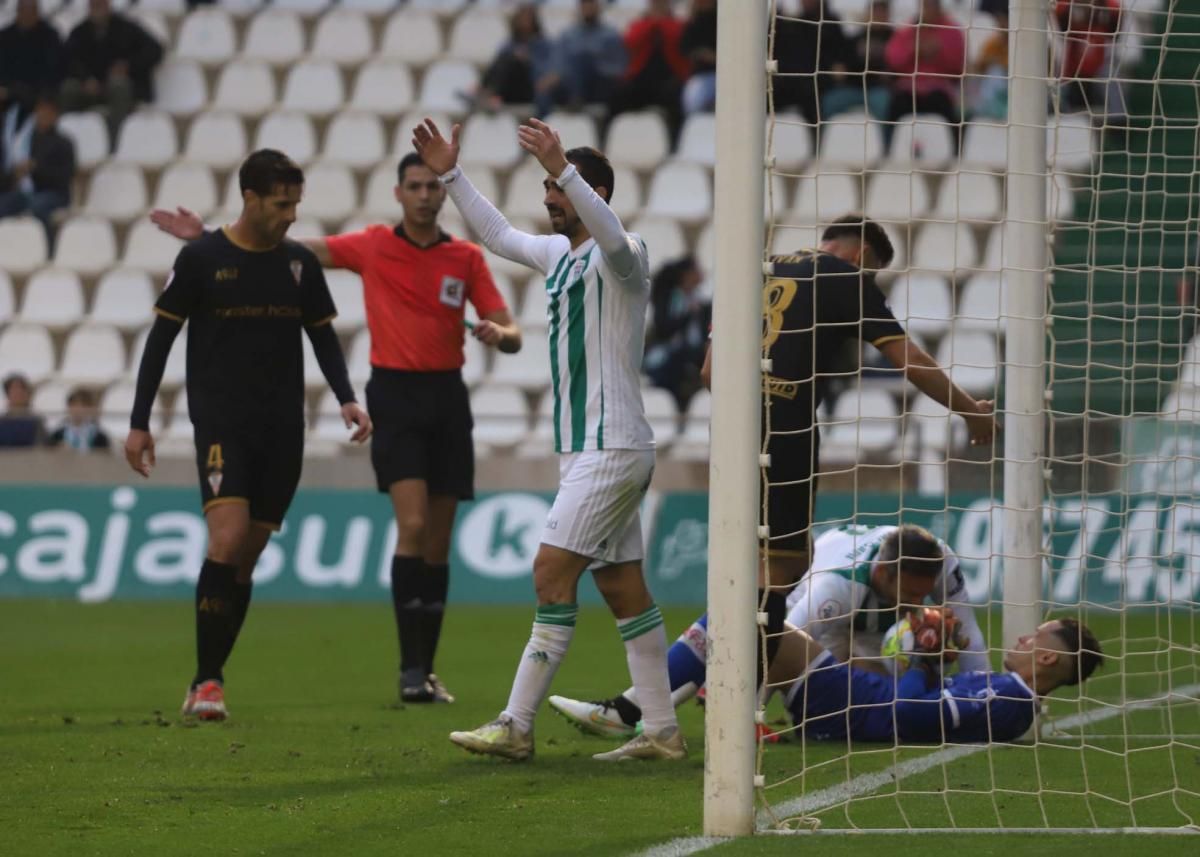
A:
597	295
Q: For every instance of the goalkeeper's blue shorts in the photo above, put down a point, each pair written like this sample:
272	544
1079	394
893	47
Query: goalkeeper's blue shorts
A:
832	701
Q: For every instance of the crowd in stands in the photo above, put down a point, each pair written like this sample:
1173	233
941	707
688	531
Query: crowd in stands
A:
20	426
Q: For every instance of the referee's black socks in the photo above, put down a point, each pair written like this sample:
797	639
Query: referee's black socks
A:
217	619
407	603
435	583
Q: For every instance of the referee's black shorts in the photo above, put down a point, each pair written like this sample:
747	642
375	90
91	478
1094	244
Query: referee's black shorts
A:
791	487
422	430
256	465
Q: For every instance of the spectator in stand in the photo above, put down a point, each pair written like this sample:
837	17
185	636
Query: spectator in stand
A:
19	426
36	173
990	67
524	59
699	45
813	57
874	89
589	59
657	68
929	56
30	59
679	333
1090	29
81	432
110	63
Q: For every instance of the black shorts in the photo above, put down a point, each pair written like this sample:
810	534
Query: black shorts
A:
791	489
257	466
422	431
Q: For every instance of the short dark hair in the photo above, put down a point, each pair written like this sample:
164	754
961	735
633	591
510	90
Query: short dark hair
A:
15	378
862	228
915	550
81	396
594	167
266	169
412	159
1083	646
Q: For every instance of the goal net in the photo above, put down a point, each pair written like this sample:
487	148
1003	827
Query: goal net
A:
1042	245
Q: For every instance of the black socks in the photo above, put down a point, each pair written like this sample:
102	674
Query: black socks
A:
410	616
217	619
435	583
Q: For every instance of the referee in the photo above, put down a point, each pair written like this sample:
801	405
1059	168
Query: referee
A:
247	293
816	302
417	281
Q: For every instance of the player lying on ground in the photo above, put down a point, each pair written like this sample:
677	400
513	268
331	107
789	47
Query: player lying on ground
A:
846	602
246	293
598	286
920	705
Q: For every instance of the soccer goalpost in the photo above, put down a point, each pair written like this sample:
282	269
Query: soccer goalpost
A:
1038	256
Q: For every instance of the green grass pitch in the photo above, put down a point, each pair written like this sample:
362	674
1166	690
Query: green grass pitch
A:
318	759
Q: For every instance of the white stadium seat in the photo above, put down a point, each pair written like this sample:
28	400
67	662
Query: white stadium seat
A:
476	35
343	37
307	8
307	227
475	361
698	140
8	300
444	8
206	36
791	143
526	196
354	139
28	349
180	88
177	432
692	443
504	285
175	372
824	196
379	198
993	254
86	245
49	401
412	36
897	197
791	239
445	84
89	132
527	368
981	303
245	87
93	354
945	247
1060	198
534	306
347	291
358	361
373	8
863	421
124	299
627	199
938	428
985	145
314	87
970	197
663	415
1069	143
921	303
150	249
969	358
637	140
490	141
384	87
148	139
117	403
117	191
187	184
216	139
329	192
291	133
22	244
276	37
681	191
501	415
53	299
777	195
663	236
851	140
575	129
242	8
539	443
923	139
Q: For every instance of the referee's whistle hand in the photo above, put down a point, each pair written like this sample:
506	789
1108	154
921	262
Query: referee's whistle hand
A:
356	416
488	332
139	451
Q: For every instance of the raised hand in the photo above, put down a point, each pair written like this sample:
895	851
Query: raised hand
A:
182	223
438	154
540	140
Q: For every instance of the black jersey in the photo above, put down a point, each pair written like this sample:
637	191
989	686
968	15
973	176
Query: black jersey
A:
246	310
813	305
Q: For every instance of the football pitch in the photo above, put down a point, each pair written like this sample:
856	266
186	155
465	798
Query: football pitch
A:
318	758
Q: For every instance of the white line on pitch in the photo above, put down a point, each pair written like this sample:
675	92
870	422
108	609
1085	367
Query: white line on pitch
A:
867	783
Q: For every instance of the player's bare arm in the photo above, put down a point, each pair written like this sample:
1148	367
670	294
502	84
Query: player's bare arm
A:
186	225
923	371
435	150
498	330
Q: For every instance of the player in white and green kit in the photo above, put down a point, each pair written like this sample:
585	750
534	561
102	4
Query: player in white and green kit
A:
597	284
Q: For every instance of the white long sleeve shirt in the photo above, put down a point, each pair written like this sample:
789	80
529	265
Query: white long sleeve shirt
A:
596	313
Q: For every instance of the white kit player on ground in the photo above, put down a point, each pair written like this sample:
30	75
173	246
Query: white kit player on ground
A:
846	603
597	285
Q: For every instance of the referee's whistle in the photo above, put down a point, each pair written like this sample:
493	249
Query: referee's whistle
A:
468	324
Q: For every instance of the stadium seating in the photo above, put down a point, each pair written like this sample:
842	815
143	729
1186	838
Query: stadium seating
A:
985	145
93	355
150	249
53	299
921	302
447	85
115	406
791	142
274	36
314	87
117	191
527	368
346	289
476	35
974	197
490	141
187	184
575	129
501	417
358	359
344	37
981	303
412	35
680	191
124	298
663	236
922	140
355	140
824	196
147	139
692	442
662	414
383	87
216	139
86	245
849	140
330	193
897	197
245	87
90	134
946	247
698	140
28	349
864	422
970	358
180	88
637	140
206	36
8	300
291	133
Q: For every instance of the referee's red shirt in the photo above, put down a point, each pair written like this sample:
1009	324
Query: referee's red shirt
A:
416	296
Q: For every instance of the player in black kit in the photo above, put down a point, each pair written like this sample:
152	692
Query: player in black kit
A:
246	292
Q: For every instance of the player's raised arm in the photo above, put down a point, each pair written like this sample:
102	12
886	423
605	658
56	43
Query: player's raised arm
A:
186	225
492	227
601	222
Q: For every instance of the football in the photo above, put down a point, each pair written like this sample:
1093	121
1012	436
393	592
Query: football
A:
919	631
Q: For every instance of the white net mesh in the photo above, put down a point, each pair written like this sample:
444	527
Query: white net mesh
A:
848	130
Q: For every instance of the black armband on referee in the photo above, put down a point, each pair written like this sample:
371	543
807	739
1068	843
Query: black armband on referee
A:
154	363
329	356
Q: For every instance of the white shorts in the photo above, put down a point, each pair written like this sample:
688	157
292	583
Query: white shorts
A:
596	511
